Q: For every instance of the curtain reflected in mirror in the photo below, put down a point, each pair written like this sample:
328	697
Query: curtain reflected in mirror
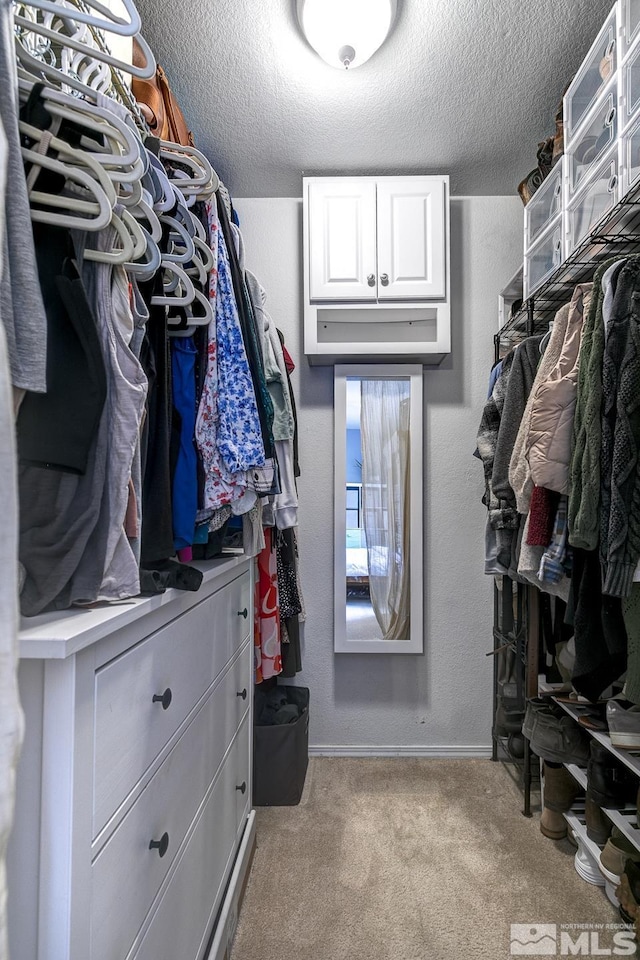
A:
378	508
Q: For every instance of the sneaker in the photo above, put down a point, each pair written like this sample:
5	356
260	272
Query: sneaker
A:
624	724
616	852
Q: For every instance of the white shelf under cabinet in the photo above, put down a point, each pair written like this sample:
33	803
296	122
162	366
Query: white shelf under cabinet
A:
376	269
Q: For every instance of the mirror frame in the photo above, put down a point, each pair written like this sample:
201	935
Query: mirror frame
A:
387	371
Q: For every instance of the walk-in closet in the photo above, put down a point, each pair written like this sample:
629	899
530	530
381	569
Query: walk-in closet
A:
320	467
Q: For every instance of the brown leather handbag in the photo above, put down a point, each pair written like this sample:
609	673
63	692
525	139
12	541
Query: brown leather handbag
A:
158	104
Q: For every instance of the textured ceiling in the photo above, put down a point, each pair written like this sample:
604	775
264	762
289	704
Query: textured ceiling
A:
464	87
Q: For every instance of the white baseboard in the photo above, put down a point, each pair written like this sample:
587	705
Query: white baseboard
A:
452	752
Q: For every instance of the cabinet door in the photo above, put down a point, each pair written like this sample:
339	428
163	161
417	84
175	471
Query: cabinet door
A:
411	239
342	240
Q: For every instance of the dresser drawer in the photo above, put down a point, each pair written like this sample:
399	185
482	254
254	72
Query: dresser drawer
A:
181	924
597	69
126	874
178	663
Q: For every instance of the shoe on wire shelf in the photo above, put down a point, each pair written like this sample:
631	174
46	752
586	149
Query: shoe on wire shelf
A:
623	719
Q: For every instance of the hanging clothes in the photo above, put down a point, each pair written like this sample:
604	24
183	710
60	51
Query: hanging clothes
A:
185	475
268	660
22	311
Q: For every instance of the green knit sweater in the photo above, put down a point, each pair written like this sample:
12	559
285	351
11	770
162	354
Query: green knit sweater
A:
584	474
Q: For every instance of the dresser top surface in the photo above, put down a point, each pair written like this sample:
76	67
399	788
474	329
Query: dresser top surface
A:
62	633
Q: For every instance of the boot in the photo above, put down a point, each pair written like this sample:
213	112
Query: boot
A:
598	825
560	789
609	783
628	892
553	825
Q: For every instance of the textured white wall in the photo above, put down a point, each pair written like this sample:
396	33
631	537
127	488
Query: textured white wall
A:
442	698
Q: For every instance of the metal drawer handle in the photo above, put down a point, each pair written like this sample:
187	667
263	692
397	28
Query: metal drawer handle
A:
371	279
163	698
610	117
384	279
612	183
161	845
242	693
243	787
243	613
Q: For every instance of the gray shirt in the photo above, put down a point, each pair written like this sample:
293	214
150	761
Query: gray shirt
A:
21	306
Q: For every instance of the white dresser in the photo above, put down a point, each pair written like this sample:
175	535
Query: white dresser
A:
134	832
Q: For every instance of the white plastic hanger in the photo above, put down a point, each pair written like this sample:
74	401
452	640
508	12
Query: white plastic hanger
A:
70	163
144	211
121	146
92	215
159	174
205	250
132	239
145	269
202	319
109	23
65	17
187	248
189	292
129	194
204	176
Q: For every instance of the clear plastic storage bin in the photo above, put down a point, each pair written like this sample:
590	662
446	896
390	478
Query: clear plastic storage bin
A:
591	79
544	206
630	87
596	199
596	137
630	22
630	156
543	258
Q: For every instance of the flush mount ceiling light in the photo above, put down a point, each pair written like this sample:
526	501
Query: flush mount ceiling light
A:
346	33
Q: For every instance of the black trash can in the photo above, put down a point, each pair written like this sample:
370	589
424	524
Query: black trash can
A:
280	750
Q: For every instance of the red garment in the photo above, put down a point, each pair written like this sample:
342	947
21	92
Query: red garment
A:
288	362
266	634
542	512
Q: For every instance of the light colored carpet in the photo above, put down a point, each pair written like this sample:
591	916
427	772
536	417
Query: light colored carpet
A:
406	859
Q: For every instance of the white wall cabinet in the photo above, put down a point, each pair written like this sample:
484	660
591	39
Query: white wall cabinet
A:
342	239
376	256
134	830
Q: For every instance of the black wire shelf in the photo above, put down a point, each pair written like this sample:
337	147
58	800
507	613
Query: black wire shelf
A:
617	234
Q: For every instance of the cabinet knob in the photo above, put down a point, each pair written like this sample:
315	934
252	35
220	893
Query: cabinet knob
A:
384	279
371	279
243	613
163	698
161	845
242	693
242	788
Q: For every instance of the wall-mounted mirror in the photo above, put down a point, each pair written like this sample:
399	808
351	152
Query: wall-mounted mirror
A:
378	509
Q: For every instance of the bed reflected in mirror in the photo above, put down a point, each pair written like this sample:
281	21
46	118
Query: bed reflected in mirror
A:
378	497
